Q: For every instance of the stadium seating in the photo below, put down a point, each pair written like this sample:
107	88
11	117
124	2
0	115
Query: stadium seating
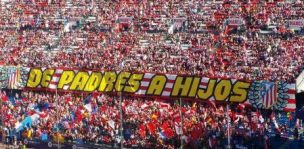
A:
190	37
242	39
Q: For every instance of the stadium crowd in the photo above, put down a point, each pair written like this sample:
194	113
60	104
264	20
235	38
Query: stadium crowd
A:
175	36
147	123
187	37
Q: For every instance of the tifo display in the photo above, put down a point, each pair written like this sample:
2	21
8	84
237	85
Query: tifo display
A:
260	94
173	74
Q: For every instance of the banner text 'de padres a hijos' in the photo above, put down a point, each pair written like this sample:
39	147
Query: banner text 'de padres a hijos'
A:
156	85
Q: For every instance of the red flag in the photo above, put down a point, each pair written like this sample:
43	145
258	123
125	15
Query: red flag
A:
68	99
95	94
78	117
168	132
93	119
142	131
152	128
184	110
196	131
4	98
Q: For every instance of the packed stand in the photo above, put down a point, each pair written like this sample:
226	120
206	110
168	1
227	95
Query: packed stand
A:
147	123
178	36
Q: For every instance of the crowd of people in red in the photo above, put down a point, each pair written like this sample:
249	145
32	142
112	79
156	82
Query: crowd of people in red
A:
192	37
178	36
147	123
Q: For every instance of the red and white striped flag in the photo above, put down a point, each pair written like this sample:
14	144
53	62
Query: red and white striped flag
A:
164	105
269	94
14	77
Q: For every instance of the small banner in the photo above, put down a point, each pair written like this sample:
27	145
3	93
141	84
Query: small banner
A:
234	21
295	23
124	20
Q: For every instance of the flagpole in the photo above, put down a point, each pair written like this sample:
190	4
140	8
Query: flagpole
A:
120	112
121	121
228	126
181	121
2	134
57	107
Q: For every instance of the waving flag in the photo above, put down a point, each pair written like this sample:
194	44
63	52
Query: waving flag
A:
142	131
269	94
14	77
88	103
88	99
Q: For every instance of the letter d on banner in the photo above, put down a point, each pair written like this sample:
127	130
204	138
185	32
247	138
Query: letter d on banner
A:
34	78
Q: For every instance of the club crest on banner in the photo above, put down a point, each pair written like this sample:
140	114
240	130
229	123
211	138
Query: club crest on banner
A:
268	95
13	77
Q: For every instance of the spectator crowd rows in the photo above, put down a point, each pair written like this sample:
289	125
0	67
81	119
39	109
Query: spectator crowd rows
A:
167	36
147	123
186	37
